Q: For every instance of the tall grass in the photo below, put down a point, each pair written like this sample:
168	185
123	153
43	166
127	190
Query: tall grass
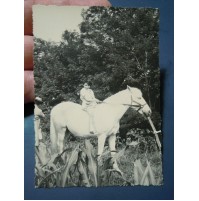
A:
139	161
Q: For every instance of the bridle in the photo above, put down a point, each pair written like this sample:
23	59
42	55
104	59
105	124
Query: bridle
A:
139	106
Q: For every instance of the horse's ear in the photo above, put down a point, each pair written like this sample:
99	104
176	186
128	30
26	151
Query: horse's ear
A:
129	88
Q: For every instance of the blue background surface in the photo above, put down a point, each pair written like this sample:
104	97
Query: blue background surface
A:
165	192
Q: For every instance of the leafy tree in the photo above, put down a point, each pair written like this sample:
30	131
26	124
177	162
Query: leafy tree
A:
115	47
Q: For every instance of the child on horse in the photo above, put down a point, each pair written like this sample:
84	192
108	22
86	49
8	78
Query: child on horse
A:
89	102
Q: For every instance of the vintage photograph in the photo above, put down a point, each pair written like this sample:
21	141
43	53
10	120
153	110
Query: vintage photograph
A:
97	88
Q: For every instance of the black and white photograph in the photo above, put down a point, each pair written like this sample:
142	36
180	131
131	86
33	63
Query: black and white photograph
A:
97	115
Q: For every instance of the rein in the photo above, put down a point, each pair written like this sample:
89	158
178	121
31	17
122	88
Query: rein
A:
139	105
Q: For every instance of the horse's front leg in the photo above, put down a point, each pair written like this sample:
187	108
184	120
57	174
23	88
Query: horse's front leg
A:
101	142
111	141
60	141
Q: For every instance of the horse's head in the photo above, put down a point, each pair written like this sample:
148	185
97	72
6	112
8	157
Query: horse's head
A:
137	101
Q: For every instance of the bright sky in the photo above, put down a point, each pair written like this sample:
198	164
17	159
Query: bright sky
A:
49	22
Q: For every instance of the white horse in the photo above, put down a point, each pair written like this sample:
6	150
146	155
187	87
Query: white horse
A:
107	115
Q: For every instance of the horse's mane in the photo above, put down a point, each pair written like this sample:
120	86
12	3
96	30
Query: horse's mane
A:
119	97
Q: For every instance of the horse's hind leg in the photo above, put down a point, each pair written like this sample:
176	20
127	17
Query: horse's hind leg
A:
60	140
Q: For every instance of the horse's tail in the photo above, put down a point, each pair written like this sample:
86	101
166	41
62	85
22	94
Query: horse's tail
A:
53	135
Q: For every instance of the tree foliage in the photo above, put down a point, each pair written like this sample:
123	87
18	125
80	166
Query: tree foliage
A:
114	47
